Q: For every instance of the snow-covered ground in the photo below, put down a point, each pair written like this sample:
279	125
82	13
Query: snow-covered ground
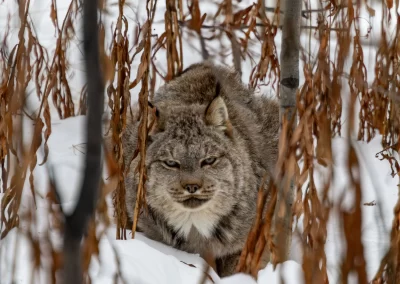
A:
145	261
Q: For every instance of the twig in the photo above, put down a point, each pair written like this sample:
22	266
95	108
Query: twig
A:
241	27
236	52
204	52
303	12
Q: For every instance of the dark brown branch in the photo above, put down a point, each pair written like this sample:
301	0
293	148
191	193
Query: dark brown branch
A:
204	52
305	12
76	224
241	27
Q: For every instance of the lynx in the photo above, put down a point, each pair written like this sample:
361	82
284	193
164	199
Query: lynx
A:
207	151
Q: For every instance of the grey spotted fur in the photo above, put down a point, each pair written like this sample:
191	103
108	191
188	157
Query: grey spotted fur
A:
205	112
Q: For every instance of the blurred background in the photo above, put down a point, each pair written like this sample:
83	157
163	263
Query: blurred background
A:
344	149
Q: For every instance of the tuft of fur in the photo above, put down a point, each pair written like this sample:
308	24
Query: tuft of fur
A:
211	143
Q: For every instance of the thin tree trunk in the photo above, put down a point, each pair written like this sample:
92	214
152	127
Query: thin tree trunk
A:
77	223
288	86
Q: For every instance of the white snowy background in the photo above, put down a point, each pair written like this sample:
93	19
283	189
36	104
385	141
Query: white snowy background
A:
143	260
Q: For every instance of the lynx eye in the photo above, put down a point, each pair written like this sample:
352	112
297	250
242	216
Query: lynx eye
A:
171	164
209	161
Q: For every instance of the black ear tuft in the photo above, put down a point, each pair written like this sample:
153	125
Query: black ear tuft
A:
217	89
155	119
153	107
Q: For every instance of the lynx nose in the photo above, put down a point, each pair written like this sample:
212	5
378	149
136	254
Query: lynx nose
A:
191	182
192	188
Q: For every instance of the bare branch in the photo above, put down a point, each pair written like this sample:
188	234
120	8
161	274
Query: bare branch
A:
288	87
204	52
76	224
241	27
236	52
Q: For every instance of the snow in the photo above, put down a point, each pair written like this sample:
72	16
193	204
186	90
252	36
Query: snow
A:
145	261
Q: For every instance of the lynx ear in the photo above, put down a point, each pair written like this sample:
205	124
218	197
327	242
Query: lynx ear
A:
154	120
217	115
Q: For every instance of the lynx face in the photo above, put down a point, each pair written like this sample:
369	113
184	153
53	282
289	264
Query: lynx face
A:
189	165
191	171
